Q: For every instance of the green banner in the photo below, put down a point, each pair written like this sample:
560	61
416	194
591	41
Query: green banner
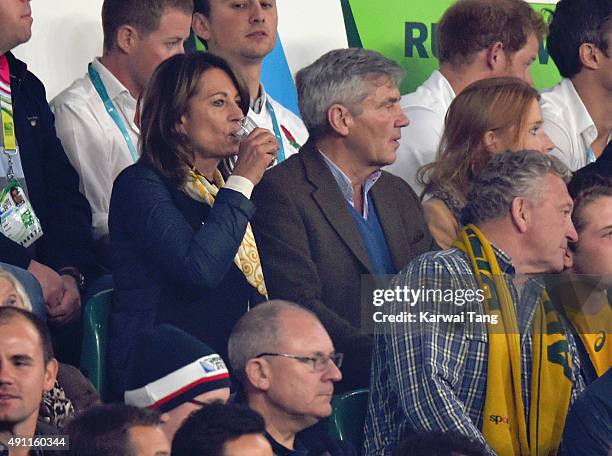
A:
405	32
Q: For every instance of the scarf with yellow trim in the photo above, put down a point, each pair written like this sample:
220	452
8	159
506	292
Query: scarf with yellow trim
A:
247	256
504	424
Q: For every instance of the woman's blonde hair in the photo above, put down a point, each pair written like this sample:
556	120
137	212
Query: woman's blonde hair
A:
493	104
19	290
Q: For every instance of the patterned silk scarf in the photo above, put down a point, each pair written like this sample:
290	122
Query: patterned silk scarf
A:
504	424
247	257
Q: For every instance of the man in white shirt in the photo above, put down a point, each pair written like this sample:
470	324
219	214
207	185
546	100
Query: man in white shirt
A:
578	111
477	39
95	116
244	36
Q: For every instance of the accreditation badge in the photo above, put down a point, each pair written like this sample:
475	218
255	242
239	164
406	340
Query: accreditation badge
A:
18	221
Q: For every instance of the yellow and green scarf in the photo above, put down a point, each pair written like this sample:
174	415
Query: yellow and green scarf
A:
247	256
593	329
504	424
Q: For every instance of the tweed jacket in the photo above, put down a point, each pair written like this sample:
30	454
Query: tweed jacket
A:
313	254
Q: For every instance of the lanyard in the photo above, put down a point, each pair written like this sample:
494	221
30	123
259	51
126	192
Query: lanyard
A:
9	141
110	108
8	126
281	153
590	156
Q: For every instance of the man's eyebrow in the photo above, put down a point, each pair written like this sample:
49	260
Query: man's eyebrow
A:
390	100
21	358
320	353
605	228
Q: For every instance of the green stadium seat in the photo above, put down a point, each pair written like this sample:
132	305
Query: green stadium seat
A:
348	417
95	339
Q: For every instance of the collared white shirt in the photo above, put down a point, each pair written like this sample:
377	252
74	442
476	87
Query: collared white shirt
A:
346	187
92	141
568	124
426	109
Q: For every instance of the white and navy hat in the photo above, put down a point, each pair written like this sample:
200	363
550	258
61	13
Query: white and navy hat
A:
171	367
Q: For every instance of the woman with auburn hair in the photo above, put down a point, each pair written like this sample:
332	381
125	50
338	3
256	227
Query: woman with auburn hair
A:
488	117
182	248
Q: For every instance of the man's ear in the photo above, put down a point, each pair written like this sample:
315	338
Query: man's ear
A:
589	55
339	119
50	374
126	38
519	212
258	373
496	57
200	26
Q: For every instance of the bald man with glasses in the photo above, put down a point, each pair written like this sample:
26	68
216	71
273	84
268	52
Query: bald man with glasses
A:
286	364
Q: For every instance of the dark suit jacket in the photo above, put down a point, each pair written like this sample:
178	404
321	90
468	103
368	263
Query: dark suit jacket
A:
312	252
53	185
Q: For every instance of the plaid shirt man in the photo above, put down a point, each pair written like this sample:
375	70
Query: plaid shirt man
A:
433	376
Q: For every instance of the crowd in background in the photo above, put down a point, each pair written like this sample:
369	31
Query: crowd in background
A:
242	244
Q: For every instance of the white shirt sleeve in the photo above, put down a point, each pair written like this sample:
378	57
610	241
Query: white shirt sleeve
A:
240	184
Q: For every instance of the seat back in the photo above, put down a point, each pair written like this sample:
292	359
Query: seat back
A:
348	417
95	339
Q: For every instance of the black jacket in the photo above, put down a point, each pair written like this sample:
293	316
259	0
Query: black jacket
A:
53	185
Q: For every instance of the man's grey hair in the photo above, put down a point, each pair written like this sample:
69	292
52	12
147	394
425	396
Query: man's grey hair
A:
342	76
258	332
507	176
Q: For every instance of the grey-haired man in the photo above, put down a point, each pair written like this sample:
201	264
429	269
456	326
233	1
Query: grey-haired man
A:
343	217
467	364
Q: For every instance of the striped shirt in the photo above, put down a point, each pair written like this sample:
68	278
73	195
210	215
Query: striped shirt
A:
433	376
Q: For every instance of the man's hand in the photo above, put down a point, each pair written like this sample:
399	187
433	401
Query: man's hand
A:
51	283
256	153
70	306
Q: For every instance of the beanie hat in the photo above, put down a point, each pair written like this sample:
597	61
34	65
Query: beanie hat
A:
170	367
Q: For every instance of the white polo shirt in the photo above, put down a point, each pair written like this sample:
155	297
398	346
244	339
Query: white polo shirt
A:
426	108
568	123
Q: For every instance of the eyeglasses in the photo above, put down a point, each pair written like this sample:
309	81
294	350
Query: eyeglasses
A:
318	362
